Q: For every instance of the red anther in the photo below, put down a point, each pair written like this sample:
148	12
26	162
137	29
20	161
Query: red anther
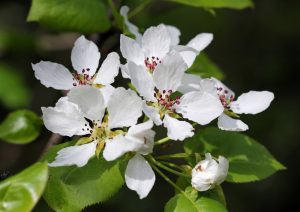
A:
88	69
74	84
83	70
226	91
153	57
166	96
177	97
170	91
177	102
157	58
159	61
164	91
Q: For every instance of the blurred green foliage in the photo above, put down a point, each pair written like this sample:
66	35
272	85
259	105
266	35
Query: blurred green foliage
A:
13	90
233	4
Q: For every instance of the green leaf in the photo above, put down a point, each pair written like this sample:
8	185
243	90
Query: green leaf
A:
13	91
216	193
192	202
204	67
72	188
70	15
20	127
248	160
22	191
232	4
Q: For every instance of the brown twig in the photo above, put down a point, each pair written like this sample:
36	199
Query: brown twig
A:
53	140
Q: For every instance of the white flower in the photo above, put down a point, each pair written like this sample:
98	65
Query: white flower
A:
208	173
139	175
149	49
85	58
69	117
157	90
252	102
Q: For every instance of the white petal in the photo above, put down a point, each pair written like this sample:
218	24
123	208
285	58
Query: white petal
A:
142	134
156	41
108	70
188	57
131	50
222	170
178	130
107	91
124	71
139	176
174	33
116	147
198	43
252	102
131	27
189	83
168	74
75	155
124	108
142	81
152	113
201	41
65	119
209	86
89	100
227	123
200	107
85	55
53	75
224	90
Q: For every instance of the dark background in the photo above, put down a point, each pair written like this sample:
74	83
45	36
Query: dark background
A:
258	49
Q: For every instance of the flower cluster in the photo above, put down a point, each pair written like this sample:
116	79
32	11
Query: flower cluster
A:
108	118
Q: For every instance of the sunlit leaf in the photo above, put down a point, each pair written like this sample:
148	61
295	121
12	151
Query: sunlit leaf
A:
20	127
248	160
72	188
192	201
70	15
22	191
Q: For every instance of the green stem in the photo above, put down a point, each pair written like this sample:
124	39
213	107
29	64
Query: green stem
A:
139	8
177	155
166	178
162	141
173	165
152	160
116	15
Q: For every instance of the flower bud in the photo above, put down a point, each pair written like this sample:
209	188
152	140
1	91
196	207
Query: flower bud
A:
209	172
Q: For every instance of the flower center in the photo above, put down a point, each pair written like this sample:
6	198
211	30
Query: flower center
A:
100	132
83	78
225	96
165	101
151	63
